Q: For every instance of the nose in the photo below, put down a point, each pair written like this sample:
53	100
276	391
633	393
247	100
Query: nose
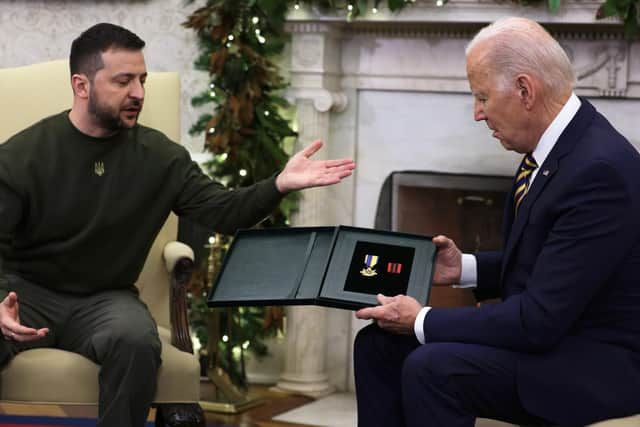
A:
137	90
478	112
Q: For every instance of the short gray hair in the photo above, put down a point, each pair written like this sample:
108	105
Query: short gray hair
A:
520	45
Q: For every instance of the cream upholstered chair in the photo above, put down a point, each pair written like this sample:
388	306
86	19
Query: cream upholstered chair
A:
54	376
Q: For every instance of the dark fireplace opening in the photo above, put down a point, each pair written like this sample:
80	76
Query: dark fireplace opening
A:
466	208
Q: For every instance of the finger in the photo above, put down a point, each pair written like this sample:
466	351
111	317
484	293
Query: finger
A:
334	177
382	299
344	174
311	149
29	337
42	332
22	330
341	170
340	163
364	313
12	325
370	313
326	180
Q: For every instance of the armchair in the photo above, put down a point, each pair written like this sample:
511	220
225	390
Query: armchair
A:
59	377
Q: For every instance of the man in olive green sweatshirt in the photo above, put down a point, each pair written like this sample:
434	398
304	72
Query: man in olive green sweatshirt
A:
82	196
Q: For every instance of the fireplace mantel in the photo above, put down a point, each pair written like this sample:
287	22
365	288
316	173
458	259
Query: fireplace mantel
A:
607	64
571	12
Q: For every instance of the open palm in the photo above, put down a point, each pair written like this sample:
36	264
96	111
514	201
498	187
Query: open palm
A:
10	324
302	172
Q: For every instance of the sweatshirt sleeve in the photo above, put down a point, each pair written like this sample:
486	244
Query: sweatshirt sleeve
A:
10	214
217	208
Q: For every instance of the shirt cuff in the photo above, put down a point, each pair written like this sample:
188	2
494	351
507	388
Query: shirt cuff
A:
418	325
469	273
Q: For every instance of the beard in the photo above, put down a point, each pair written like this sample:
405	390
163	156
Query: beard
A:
107	117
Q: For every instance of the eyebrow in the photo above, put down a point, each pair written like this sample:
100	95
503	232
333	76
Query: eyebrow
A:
129	75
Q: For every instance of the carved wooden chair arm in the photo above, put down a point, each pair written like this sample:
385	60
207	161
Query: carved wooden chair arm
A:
178	259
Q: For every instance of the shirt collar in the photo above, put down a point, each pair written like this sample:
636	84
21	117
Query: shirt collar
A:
555	129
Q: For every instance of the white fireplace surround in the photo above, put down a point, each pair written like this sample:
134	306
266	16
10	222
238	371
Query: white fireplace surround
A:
391	92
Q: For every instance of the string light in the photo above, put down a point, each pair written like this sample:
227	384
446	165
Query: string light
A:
440	3
228	45
211	130
255	20
212	94
230	37
259	36
242	172
350	7
297	5
212	85
245	345
266	113
225	338
223	157
374	10
212	240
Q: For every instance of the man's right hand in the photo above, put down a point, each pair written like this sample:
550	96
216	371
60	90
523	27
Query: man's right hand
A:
448	262
10	322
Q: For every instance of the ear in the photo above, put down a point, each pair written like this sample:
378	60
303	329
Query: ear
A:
527	90
80	85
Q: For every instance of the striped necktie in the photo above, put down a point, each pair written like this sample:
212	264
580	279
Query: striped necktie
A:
522	180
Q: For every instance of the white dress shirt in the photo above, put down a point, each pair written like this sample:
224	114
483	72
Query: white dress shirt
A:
469	273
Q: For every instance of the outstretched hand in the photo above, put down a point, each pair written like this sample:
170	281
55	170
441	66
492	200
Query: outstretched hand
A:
395	314
302	172
10	322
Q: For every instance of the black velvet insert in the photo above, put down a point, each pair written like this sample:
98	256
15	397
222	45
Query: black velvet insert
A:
388	274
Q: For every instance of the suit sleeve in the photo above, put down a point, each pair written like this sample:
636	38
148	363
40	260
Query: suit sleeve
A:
212	205
593	228
488	266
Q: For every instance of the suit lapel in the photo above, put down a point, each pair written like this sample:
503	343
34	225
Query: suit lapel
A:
565	144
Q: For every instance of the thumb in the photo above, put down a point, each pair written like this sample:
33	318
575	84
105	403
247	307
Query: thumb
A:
312	148
11	300
441	242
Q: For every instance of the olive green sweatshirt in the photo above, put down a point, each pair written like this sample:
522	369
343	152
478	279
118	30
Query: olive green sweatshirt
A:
79	214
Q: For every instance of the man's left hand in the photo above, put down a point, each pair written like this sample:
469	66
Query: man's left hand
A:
302	172
395	314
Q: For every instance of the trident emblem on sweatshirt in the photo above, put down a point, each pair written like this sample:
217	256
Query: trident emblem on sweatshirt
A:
98	168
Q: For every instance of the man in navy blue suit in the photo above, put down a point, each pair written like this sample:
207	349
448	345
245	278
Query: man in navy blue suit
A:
563	346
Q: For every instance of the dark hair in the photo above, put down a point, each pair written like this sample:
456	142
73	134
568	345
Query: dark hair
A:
86	50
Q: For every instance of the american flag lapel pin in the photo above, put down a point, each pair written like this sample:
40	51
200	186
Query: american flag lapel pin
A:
545	172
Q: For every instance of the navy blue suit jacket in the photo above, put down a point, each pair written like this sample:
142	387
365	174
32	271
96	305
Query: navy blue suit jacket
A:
569	276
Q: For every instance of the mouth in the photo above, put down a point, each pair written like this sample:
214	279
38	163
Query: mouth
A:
131	112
